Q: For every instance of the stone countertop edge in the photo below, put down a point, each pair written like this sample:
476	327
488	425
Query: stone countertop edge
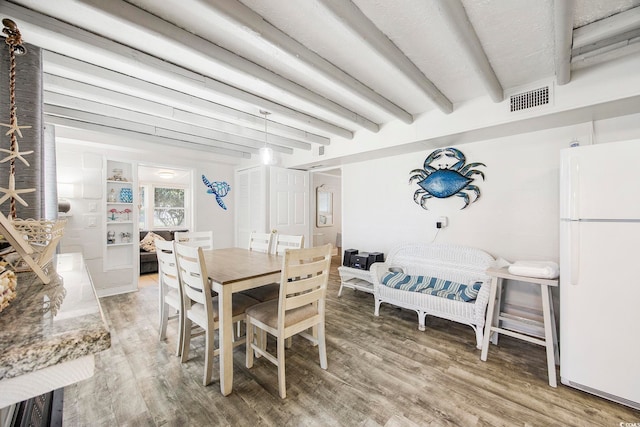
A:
46	325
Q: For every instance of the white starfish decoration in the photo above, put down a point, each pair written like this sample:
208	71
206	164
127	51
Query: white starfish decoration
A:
13	127
16	154
12	192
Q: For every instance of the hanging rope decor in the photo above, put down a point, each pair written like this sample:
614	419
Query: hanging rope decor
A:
14	41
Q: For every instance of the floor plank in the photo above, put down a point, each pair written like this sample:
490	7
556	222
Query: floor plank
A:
382	372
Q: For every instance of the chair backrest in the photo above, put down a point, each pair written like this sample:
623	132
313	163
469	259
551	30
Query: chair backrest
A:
286	241
260	242
203	239
193	276
304	278
167	267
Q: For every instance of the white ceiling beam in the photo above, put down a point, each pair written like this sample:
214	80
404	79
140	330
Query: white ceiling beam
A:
77	124
143	128
108	54
72	69
197	125
606	53
620	23
159	123
358	24
278	40
457	21
221	59
563	31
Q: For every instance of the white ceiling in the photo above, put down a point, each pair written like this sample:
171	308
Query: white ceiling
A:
198	72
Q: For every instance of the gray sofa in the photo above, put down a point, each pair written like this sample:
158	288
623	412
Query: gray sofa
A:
149	260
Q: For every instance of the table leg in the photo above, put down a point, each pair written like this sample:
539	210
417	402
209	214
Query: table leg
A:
489	319
225	339
549	334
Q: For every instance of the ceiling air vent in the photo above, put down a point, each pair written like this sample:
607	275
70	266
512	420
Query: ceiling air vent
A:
530	99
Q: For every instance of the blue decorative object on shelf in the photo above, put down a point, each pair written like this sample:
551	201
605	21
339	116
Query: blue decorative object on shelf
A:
218	189
447	180
126	195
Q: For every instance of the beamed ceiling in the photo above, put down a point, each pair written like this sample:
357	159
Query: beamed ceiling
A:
196	73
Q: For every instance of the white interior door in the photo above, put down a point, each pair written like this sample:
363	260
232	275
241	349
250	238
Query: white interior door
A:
251	204
289	202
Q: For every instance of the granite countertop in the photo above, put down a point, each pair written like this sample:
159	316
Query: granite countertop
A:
50	324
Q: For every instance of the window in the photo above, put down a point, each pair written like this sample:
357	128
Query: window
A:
163	207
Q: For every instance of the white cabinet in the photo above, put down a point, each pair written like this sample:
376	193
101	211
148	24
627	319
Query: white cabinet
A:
121	238
269	198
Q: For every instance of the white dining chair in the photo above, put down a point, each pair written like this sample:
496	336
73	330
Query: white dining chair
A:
287	241
169	290
299	307
200	307
260	242
203	239
271	291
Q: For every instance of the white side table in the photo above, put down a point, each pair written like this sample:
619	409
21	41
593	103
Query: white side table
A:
355	278
495	316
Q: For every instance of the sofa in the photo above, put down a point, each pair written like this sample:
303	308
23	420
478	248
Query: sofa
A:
458	272
149	259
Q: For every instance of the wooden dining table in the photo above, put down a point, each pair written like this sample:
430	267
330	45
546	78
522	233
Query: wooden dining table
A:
233	270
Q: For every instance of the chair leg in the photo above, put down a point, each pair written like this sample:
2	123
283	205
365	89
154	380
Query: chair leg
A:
249	350
164	319
186	339
280	356
208	356
180	333
261	341
239	329
322	346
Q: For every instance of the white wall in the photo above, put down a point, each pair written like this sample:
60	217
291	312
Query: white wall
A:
89	240
515	218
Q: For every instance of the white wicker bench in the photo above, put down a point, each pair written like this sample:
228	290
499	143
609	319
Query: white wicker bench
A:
457	263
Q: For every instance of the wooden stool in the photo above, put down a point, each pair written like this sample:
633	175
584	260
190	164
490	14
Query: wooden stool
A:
495	316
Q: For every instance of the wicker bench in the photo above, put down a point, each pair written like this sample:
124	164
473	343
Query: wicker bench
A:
450	262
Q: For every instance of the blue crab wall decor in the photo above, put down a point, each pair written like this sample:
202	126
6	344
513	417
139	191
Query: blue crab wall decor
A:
446	180
218	189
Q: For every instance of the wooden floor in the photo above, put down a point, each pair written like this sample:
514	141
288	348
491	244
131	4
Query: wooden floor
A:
382	372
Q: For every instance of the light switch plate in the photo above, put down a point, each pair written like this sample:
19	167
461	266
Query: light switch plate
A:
91	221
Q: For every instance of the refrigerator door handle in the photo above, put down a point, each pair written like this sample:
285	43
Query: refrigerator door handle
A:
575	252
574	189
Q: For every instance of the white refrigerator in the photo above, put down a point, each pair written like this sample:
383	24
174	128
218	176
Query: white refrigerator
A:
600	270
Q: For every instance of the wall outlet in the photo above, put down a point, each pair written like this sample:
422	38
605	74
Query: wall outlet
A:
442	222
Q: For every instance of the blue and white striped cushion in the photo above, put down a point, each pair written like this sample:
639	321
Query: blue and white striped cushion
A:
432	286
471	292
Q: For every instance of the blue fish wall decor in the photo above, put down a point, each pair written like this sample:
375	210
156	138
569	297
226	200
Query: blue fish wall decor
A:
218	189
446	181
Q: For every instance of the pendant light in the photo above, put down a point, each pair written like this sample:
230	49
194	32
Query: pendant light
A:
266	153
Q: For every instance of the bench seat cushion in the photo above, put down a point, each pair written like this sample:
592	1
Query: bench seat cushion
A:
432	286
